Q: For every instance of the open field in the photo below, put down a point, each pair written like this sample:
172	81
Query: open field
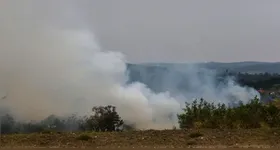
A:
139	148
203	138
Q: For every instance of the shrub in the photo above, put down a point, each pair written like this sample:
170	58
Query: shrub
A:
207	115
104	118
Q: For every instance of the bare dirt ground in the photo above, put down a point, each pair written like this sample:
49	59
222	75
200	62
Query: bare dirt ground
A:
203	138
140	149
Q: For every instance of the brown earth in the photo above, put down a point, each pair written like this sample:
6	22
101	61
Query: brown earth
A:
203	138
136	148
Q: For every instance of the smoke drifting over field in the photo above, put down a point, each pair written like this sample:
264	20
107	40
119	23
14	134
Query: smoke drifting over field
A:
51	63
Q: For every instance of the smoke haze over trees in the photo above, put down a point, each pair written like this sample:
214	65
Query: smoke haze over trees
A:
51	63
198	114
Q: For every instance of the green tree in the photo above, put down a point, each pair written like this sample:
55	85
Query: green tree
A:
104	118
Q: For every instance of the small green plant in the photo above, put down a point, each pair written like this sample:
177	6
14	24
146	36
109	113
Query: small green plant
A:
84	137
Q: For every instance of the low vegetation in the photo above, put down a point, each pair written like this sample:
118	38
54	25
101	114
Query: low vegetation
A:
197	115
254	114
201	123
103	118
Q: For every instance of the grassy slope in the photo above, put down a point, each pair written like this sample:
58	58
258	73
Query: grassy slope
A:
150	138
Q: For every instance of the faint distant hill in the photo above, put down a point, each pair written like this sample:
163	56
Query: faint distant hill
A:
168	76
243	67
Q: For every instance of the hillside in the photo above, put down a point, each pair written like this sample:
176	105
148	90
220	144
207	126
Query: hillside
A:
176	77
244	67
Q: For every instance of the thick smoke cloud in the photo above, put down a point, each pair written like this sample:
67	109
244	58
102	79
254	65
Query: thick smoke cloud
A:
50	63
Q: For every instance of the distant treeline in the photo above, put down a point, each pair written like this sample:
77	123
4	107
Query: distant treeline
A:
262	80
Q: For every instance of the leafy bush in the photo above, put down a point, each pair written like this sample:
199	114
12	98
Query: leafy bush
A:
251	115
104	118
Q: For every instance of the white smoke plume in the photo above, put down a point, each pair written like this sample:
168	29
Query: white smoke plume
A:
50	63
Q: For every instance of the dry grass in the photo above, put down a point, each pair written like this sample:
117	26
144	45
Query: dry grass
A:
276	102
150	138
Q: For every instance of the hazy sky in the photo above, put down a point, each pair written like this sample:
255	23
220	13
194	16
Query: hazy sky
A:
182	30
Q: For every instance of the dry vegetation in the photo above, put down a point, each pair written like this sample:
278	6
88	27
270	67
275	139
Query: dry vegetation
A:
202	125
149	138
